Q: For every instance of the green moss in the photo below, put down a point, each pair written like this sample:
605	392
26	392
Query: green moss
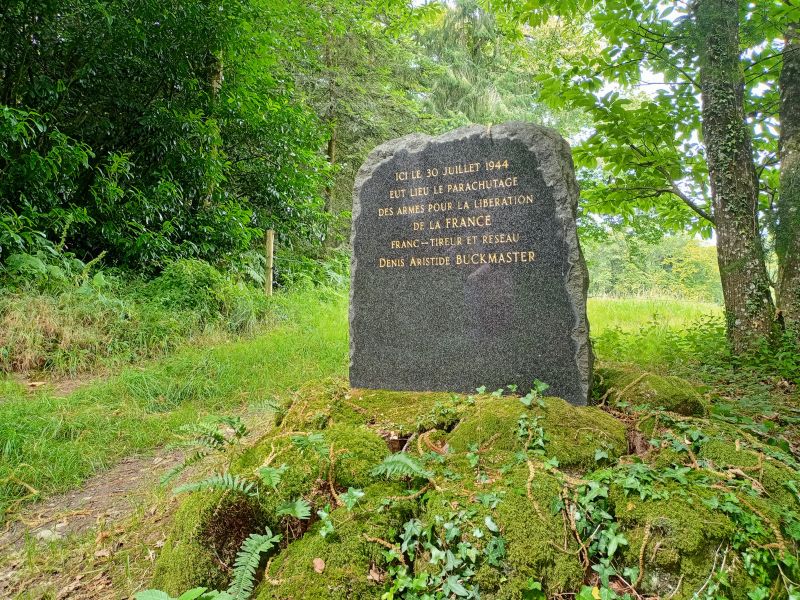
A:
681	535
684	536
400	412
361	450
358	450
207	528
573	433
348	556
623	383
535	538
771	474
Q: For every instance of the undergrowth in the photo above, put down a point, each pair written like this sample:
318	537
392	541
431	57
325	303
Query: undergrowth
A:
68	318
501	497
50	443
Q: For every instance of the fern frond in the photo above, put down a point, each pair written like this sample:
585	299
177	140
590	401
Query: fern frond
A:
205	434
182	466
247	560
236	424
400	465
312	441
224	481
272	476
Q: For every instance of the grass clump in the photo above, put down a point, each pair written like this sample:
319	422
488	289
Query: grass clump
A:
52	443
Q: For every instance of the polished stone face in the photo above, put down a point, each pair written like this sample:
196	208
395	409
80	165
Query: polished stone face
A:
466	266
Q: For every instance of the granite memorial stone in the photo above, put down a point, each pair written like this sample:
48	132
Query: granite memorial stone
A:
466	267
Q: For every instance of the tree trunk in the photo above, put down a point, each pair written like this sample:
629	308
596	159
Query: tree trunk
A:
745	284
331	154
787	238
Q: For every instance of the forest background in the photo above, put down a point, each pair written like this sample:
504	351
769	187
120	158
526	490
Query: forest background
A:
145	149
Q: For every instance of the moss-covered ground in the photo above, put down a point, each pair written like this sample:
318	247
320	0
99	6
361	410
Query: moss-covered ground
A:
502	497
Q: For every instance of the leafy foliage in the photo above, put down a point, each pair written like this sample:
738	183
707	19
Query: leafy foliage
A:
224	481
271	476
247	560
399	465
298	509
205	438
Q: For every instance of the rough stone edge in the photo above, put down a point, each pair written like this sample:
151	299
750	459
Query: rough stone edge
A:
556	166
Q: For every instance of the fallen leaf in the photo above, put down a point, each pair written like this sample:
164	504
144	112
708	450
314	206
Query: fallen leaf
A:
319	565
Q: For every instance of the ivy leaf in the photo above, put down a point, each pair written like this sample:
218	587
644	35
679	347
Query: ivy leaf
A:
491	525
351	497
533	591
453	586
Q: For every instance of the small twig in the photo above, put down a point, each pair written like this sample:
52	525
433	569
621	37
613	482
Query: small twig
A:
631	384
424	437
408	442
711	574
267	578
531	475
331	462
387	545
641	555
677	587
488	442
413	496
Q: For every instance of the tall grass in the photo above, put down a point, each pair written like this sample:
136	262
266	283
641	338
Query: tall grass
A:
630	314
51	444
657	333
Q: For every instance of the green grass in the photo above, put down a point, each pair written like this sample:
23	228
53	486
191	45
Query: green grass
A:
630	314
657	333
52	444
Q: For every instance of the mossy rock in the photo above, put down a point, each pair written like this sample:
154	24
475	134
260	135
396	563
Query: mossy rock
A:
574	433
472	446
401	413
352	563
766	471
535	539
682	536
358	450
623	383
208	527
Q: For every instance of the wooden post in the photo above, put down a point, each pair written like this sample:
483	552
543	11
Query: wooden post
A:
270	248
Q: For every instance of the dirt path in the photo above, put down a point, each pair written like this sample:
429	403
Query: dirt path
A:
77	545
102	502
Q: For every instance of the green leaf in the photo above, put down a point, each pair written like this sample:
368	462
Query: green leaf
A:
247	561
195	593
400	465
153	595
490	524
225	481
351	497
533	591
271	476
299	509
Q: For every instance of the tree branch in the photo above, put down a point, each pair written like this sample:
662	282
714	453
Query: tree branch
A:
677	191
